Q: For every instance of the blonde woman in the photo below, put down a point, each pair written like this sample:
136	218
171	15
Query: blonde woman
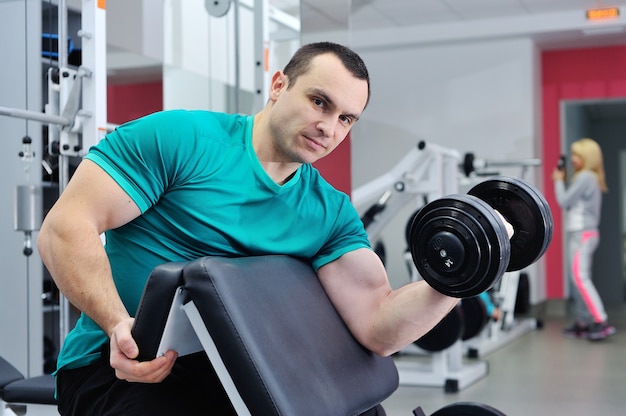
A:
582	200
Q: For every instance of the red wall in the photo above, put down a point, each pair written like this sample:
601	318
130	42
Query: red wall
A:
130	101
127	102
572	75
337	167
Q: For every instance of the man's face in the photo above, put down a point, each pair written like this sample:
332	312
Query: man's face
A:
314	116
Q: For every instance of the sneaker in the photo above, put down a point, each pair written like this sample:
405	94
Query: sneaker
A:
576	330
600	331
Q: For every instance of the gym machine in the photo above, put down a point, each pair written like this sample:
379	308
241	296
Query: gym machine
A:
75	115
431	172
427	172
499	333
76	110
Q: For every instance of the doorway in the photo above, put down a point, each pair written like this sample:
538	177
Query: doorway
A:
604	121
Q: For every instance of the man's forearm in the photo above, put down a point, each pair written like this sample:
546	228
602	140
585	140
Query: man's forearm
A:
77	261
409	313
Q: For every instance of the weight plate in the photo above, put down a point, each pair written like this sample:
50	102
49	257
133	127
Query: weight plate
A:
468	409
475	317
459	245
217	8
522	300
407	228
526	209
468	164
445	333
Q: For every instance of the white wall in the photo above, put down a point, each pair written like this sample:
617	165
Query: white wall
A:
21	333
136	26
200	56
480	97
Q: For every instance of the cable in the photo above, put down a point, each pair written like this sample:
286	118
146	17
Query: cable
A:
26	128
26	61
50	41
237	63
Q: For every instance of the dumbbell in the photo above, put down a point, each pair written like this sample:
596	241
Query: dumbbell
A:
465	321
460	245
463	409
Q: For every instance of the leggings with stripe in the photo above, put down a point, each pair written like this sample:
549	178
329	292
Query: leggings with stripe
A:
587	302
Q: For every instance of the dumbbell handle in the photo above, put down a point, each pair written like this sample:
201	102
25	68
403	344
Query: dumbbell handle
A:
509	228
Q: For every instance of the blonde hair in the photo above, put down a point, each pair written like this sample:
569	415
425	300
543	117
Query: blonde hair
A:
591	155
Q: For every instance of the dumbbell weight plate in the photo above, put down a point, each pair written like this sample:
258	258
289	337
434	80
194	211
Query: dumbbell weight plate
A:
475	317
443	335
468	409
526	209
459	245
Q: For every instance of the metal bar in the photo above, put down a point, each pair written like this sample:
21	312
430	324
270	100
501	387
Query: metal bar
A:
237	60
195	319
512	163
261	42
35	116
64	305
94	82
276	15
62	27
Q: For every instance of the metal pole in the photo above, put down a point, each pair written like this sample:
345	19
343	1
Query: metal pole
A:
35	116
64	307
237	76
62	28
261	41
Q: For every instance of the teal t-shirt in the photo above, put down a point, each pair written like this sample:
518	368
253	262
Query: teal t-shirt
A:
202	192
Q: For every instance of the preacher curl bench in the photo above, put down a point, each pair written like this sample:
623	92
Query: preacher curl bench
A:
271	333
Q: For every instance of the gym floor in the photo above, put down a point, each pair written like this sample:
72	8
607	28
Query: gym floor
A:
541	373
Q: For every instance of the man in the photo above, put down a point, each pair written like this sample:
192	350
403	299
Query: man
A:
180	185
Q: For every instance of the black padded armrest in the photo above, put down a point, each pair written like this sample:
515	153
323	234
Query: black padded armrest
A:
154	307
283	343
8	374
39	390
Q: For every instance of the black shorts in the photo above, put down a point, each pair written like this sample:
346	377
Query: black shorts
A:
191	389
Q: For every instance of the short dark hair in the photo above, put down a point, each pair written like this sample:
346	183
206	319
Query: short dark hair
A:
301	61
